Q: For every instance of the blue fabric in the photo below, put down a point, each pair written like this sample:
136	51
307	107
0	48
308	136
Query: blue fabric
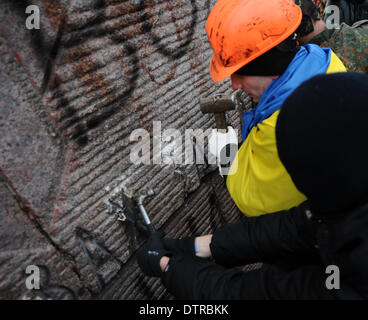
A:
309	61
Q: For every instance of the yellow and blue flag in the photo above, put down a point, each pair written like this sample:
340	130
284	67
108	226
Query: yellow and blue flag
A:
261	183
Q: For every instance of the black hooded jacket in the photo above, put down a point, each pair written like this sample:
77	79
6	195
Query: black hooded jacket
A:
296	251
322	138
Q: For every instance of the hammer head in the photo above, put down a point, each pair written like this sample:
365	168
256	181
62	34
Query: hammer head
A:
218	106
141	196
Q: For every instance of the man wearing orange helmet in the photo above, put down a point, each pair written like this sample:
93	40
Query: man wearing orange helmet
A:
254	43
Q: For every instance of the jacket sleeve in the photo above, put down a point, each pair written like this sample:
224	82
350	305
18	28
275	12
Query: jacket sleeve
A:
269	239
198	279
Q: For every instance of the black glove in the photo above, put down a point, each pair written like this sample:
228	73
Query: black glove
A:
176	246
150	254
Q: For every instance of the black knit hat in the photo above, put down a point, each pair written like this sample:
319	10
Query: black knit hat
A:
274	62
322	140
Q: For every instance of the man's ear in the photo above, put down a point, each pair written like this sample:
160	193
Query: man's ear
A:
297	43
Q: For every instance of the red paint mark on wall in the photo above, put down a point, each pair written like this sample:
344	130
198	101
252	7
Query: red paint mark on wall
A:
57	213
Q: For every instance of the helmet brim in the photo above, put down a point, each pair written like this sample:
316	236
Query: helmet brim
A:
218	72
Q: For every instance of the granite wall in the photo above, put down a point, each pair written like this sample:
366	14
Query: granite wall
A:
71	95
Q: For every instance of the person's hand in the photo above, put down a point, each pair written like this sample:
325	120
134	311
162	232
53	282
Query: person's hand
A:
150	254
164	261
203	246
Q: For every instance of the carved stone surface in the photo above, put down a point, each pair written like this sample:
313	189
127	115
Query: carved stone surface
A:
71	94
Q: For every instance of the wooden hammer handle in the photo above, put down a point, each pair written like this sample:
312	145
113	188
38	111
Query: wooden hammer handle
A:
220	121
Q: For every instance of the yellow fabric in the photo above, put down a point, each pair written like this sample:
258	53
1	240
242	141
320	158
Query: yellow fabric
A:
336	64
261	183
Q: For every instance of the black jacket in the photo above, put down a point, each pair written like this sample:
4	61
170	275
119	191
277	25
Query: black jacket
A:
295	250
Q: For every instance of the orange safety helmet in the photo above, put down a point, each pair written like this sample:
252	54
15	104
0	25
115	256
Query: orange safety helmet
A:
239	31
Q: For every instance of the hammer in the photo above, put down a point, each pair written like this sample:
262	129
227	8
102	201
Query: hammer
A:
218	105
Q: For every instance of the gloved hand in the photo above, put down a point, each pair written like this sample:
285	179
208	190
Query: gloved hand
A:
150	254
184	245
224	147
